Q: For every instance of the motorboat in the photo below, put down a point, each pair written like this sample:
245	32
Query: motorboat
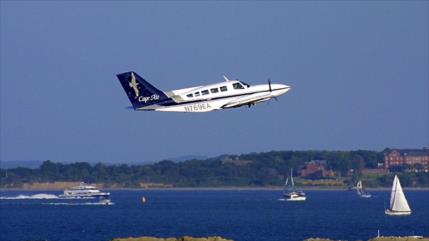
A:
105	201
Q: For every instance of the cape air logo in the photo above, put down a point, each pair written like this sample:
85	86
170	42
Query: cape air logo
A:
146	99
134	85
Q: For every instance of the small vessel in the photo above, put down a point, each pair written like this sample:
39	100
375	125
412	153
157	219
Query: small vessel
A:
292	194
106	201
144	199
398	203
361	191
84	191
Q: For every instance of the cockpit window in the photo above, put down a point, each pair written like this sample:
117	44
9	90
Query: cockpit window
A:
237	86
246	84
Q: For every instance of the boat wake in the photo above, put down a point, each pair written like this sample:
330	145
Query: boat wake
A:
77	204
41	196
35	196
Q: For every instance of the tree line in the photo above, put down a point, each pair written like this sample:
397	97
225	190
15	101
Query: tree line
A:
253	169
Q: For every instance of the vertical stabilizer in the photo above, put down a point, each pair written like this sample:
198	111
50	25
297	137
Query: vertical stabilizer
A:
140	92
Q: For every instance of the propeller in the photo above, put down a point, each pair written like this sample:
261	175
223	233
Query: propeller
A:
271	90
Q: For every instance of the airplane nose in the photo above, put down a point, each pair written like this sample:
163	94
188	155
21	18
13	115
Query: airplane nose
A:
281	89
285	86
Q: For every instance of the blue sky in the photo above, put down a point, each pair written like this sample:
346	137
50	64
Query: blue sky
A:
358	71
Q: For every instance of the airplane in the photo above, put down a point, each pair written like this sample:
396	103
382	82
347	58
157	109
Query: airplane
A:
224	95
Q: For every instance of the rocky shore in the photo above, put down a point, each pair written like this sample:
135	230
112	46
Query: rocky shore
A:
216	238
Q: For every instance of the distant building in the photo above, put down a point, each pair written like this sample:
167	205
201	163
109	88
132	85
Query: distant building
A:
316	169
375	171
407	156
235	160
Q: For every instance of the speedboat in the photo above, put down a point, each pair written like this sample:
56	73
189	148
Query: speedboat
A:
84	191
105	201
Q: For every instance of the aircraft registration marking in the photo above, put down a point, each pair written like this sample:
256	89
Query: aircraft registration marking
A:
197	107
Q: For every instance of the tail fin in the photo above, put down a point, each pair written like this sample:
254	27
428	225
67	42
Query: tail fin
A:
140	92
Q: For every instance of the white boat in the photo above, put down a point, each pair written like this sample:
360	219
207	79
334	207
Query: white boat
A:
84	191
106	201
398	203
361	191
292	194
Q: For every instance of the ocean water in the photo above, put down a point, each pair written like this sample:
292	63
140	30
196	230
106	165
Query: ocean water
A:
238	215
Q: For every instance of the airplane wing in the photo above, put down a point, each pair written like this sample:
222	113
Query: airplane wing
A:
246	100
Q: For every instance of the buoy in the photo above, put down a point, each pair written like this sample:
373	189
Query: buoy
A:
144	200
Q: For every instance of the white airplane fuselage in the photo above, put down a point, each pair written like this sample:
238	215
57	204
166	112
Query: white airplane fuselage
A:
223	95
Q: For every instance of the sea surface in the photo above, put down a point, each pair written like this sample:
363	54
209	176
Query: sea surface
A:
239	215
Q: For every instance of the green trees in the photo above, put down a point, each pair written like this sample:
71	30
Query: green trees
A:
253	169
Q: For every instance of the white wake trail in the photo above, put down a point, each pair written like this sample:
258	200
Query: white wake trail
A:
35	196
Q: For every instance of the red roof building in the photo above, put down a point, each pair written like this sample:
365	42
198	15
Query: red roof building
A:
407	156
316	169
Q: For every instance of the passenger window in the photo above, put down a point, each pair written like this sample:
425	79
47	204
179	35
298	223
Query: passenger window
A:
223	88
214	90
190	95
237	86
205	92
197	94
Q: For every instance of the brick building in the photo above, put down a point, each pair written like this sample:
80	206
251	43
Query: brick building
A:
316	169
407	156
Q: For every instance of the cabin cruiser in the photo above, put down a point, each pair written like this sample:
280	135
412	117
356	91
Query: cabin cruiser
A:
84	191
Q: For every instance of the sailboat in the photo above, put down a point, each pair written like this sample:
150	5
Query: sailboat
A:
398	202
293	194
361	191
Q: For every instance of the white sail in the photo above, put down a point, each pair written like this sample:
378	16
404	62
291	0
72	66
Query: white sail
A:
291	179
285	187
359	187
398	202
